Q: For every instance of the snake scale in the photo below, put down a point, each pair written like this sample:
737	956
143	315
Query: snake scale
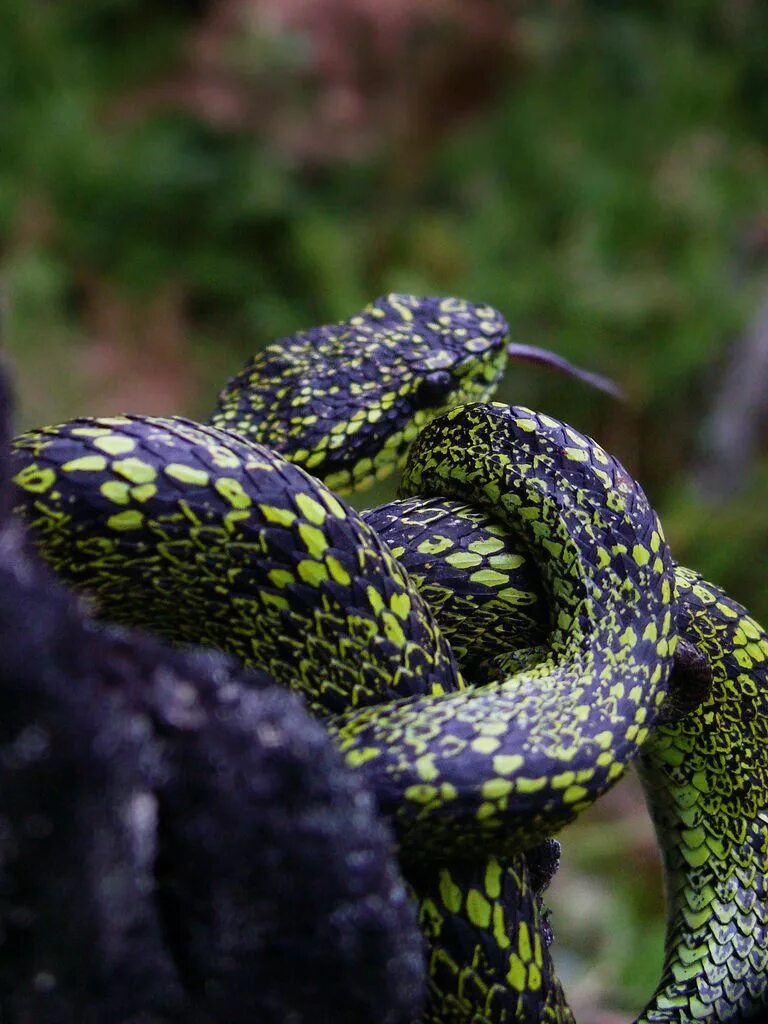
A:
210	537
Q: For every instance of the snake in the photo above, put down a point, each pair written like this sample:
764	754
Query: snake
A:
395	745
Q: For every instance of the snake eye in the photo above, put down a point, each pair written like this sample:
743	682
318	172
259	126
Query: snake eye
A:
434	387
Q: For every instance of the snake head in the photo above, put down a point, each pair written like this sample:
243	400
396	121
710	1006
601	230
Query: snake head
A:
346	400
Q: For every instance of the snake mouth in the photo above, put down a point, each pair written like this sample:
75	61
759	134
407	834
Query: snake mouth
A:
533	354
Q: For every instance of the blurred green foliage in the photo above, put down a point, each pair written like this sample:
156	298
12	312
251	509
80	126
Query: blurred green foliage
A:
609	193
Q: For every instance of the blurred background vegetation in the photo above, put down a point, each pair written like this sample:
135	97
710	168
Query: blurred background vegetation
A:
181	182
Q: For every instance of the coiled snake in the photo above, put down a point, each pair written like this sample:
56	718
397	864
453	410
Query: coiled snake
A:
272	566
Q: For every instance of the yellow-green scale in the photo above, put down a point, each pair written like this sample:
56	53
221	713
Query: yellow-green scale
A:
239	563
439	340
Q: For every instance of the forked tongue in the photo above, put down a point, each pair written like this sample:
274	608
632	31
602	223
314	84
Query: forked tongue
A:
532	354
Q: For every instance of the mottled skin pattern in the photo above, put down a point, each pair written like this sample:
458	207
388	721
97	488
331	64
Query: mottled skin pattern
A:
504	779
705	777
707	785
488	941
453	352
345	401
401	361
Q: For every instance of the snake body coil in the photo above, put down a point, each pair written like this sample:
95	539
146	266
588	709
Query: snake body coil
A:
277	570
462	909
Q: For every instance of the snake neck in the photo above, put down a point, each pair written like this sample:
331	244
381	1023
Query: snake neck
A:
706	781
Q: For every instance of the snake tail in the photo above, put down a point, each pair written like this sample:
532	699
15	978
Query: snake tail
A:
706	780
